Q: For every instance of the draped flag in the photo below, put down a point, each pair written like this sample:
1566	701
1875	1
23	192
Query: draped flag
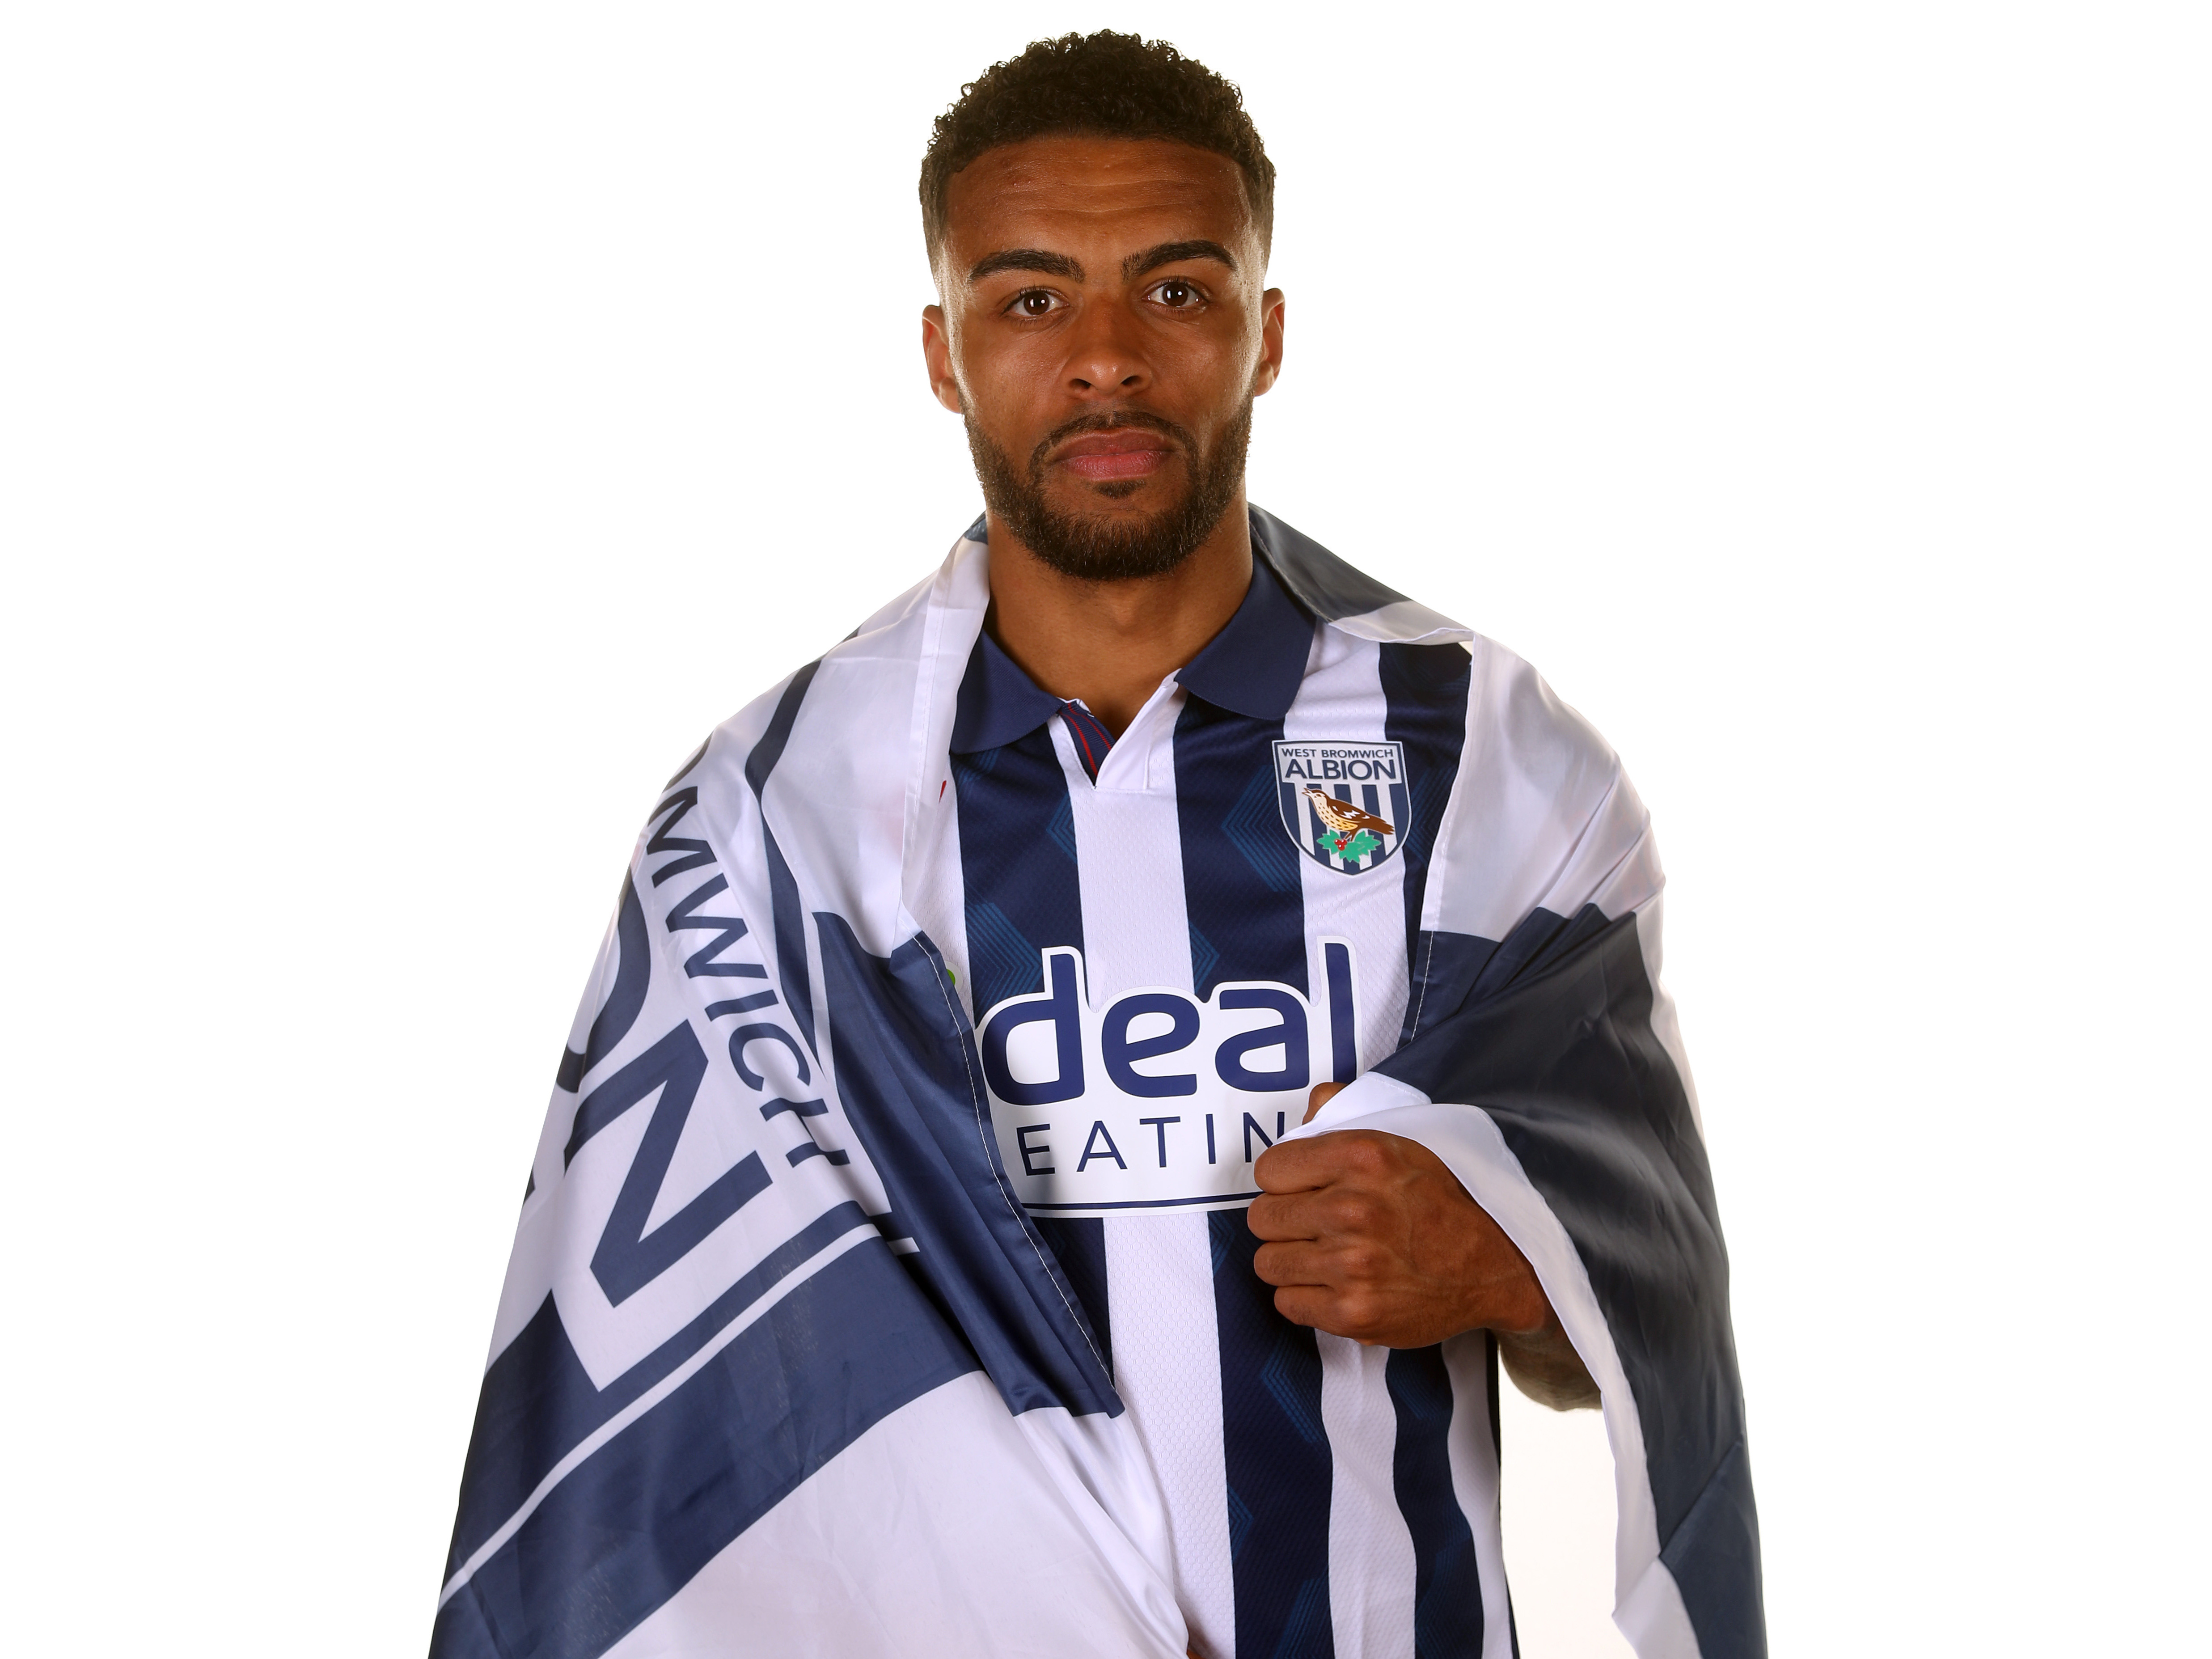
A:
881	1285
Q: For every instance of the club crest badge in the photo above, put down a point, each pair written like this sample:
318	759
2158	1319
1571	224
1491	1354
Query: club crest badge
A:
1346	804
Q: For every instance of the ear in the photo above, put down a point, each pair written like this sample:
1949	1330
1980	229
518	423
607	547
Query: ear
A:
937	357
1270	342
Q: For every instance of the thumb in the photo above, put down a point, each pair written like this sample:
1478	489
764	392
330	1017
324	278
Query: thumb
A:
1322	1094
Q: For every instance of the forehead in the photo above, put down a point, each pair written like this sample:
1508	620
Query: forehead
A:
1051	193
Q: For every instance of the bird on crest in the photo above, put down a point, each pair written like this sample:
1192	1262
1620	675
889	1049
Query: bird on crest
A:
1342	815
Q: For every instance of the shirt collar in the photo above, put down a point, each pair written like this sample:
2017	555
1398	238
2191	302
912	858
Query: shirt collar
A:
1253	667
998	701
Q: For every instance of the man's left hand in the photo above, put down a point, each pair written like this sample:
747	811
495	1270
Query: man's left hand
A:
1370	1236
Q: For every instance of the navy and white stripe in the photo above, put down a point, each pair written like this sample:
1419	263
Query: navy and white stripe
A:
1306	1542
787	1361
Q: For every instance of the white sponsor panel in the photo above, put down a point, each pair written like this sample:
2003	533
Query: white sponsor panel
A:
1156	1100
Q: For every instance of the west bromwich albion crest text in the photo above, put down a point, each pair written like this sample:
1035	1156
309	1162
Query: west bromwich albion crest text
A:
1343	804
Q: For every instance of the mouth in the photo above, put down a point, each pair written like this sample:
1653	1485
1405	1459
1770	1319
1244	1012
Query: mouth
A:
1125	454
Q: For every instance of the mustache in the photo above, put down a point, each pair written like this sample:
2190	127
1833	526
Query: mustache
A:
1114	420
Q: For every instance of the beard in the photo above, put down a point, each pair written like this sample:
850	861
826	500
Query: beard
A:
1109	549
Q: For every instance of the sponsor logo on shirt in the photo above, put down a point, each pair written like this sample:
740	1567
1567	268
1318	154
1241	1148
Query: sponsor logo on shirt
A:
1344	803
1156	1100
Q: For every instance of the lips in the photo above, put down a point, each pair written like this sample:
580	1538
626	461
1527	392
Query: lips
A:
1128	453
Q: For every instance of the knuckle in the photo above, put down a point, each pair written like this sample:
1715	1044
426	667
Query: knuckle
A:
1365	1154
1359	1313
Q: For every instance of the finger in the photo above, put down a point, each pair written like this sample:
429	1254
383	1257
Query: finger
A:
1296	1262
1352	1155
1296	1165
1287	1216
1308	1304
1322	1094
1349	1313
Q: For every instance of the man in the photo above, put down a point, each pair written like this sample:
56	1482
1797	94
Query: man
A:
1090	1078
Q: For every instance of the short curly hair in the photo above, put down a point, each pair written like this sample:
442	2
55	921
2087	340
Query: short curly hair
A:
1119	86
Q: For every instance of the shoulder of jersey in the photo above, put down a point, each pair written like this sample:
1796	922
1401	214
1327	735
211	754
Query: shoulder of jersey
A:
1514	716
836	728
1542	815
1518	728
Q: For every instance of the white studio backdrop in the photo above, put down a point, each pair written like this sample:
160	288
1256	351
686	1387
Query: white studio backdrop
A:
420	424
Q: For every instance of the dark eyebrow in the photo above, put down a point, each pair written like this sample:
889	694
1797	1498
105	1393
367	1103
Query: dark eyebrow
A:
1026	259
1168	254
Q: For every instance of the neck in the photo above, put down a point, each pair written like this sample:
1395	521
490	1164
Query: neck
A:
1110	644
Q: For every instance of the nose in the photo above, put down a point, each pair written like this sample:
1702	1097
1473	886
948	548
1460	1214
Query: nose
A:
1106	356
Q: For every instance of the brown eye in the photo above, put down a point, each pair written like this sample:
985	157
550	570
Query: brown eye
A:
1176	293
1035	303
